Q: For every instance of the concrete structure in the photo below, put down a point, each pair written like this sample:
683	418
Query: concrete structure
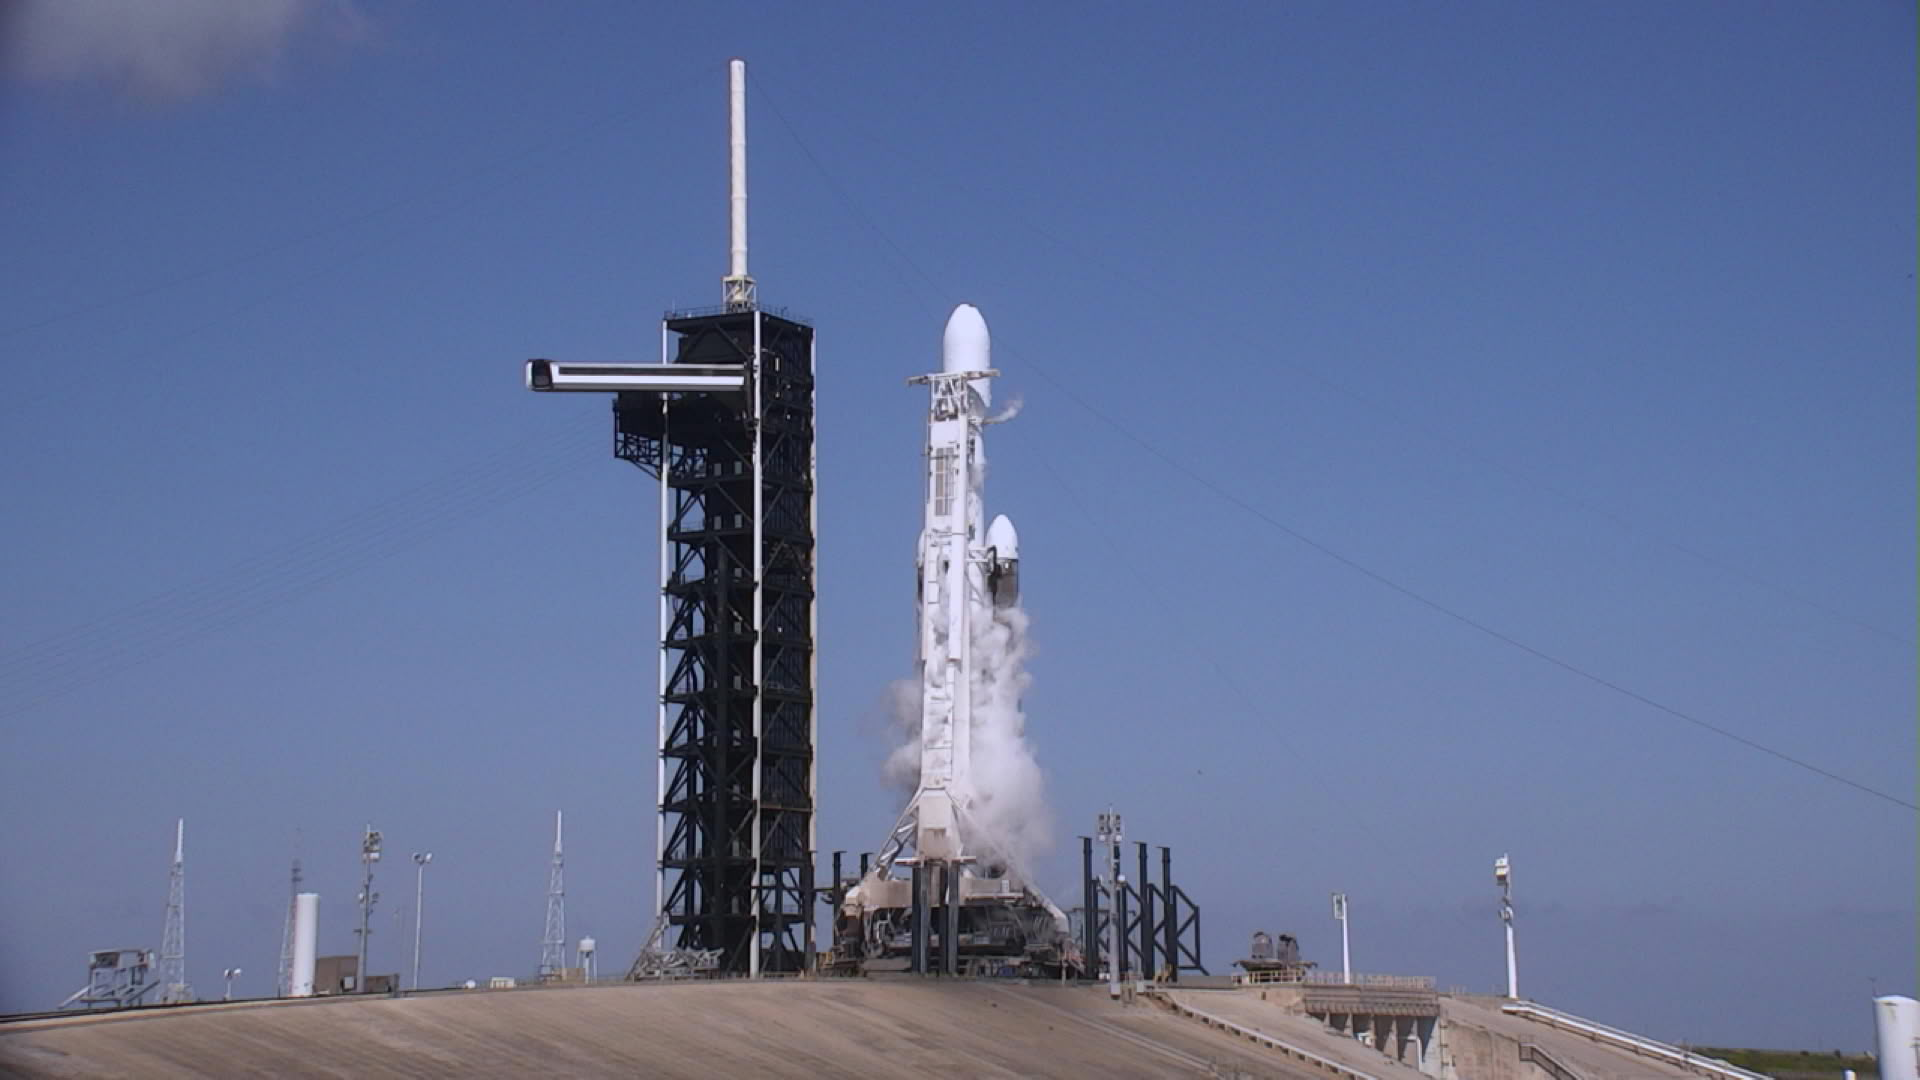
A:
830	1027
1387	1028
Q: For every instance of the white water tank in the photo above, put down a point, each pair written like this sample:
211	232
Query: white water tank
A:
306	940
1896	1022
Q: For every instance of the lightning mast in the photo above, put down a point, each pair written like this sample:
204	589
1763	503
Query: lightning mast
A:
553	946
173	939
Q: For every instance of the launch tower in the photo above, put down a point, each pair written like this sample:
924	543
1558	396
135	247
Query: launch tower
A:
725	421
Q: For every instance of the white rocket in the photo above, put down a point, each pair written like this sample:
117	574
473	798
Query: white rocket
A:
967	568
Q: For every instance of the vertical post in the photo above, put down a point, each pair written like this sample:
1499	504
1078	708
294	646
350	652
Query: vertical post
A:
419	907
1513	975
1169	916
666	623
1346	956
809	907
1346	953
839	895
919	887
1089	909
759	561
737	169
1146	916
950	927
866	859
1503	876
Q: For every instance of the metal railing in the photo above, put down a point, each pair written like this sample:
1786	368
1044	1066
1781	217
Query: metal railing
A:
723	309
1334	978
1531	1052
1627	1040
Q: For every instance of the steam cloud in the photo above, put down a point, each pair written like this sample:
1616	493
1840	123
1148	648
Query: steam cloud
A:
158	49
1008	817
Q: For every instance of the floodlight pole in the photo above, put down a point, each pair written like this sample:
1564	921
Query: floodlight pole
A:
229	976
1346	954
420	861
369	854
1503	874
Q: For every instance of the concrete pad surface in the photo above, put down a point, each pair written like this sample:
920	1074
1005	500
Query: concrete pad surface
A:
827	1028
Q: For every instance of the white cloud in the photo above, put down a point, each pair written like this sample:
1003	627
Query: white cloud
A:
163	49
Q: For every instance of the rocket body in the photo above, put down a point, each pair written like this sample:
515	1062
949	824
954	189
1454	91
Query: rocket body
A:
954	567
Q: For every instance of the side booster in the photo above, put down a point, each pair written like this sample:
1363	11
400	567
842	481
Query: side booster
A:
1003	562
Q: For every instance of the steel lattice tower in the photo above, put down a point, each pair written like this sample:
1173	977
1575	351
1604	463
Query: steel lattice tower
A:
173	939
725	422
284	984
737	658
553	945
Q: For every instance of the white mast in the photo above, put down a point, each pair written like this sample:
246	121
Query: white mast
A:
737	288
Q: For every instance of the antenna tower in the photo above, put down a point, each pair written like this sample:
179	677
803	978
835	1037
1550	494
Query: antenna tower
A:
553	947
284	986
173	940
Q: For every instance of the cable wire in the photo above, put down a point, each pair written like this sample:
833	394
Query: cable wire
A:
1199	478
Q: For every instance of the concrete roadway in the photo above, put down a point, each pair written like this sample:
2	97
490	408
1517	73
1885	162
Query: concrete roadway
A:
829	1028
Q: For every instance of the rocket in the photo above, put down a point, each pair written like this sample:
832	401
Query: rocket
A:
955	831
966	567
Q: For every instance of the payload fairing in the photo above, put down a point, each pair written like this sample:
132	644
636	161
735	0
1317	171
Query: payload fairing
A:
968	579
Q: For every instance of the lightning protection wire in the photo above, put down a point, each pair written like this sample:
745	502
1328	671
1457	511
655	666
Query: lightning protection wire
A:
1199	478
1117	269
369	523
600	122
394	237
118	640
82	669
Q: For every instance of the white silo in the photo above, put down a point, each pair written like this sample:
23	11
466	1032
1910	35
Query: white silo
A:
1896	1022
306	940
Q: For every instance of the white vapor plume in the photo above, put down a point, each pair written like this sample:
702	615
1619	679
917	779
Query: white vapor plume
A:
158	49
1009	808
1006	808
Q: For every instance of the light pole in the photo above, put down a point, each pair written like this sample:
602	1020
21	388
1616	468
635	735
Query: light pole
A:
229	974
420	861
1503	876
369	854
1346	956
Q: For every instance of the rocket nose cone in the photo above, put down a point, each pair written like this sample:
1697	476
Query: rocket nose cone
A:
966	346
1002	539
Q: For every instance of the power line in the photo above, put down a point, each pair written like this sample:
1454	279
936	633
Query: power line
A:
1261	515
89	662
359	217
1118	270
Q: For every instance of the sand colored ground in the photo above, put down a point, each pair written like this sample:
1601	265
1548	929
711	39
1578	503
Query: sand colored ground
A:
829	1028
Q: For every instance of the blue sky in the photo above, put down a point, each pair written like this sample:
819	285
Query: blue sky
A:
1593	326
